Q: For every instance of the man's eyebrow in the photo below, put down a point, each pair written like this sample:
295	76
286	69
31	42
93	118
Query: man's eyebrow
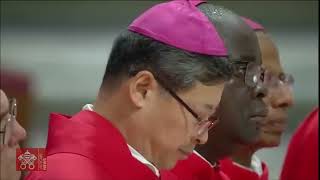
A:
242	59
247	57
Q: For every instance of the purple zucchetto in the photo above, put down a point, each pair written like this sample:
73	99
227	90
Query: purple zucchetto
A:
180	24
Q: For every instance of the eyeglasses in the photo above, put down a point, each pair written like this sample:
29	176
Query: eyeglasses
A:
254	74
12	117
203	125
251	72
273	81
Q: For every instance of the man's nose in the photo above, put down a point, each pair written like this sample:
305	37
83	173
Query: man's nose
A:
260	91
283	98
18	133
202	137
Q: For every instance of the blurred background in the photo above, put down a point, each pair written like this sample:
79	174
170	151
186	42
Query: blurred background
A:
53	55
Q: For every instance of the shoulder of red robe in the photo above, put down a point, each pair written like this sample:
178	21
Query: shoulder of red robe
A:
75	151
302	158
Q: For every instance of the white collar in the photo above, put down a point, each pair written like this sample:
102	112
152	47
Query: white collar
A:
134	152
215	165
143	160
256	165
195	152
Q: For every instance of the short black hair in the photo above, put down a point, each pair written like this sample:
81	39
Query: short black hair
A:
179	69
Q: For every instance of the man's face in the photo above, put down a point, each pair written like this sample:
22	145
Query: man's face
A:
279	98
14	133
175	130
242	109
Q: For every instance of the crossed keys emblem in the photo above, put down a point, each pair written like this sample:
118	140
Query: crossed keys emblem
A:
27	159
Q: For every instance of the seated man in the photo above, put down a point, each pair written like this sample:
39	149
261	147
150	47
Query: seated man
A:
242	162
154	105
236	104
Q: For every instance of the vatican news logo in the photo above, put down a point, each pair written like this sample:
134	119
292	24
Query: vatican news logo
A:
31	159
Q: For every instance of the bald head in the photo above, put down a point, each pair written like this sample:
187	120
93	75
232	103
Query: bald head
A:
240	39
4	104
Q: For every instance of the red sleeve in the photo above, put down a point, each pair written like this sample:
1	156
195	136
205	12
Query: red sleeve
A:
302	161
236	172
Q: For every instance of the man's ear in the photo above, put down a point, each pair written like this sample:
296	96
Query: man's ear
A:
141	86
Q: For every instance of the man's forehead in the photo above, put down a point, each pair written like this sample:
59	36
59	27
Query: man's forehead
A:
242	43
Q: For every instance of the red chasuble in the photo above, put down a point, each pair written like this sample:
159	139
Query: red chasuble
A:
88	147
302	159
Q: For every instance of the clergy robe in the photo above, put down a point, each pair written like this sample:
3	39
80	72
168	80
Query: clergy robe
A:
88	147
302	158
